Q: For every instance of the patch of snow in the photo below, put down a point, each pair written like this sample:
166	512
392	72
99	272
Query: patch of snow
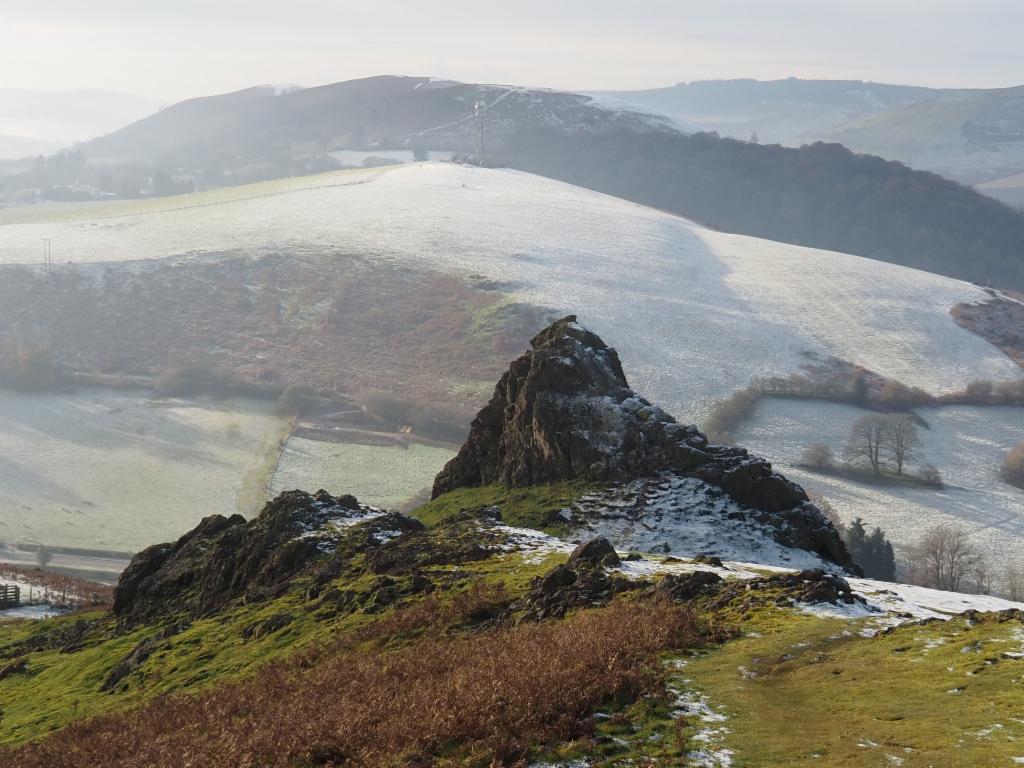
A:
839	610
691	704
383	537
45	611
328	521
923	603
683	517
966	443
536	545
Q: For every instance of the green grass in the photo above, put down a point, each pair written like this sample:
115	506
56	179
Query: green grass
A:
523	507
60	688
816	692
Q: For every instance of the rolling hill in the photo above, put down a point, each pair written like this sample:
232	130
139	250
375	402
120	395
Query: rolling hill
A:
820	196
971	135
697	314
386	112
593	585
790	111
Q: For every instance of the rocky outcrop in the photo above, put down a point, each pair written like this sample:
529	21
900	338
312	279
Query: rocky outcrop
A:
584	581
565	411
226	558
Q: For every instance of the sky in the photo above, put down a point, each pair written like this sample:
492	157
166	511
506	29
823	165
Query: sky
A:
174	50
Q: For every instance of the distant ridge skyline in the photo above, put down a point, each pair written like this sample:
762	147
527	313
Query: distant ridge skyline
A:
190	48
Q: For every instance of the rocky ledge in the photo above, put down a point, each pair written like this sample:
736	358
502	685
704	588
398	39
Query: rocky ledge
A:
225	558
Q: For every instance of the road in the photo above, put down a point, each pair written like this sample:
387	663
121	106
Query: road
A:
81	564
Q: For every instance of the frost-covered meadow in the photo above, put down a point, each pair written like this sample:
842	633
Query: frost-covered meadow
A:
381	476
119	471
965	443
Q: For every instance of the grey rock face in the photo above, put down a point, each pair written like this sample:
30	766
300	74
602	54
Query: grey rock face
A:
565	411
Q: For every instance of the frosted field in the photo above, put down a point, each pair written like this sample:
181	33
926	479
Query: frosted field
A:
695	314
381	476
113	470
966	444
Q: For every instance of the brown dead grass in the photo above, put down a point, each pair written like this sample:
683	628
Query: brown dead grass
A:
59	588
998	321
481	697
338	324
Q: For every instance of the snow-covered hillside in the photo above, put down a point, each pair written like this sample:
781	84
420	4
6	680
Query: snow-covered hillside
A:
694	313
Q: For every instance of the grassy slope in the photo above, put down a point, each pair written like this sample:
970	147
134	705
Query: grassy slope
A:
825	694
524	507
816	691
60	688
910	127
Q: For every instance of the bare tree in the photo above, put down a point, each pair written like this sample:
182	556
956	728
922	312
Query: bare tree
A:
931	476
1013	582
1013	465
817	456
867	440
826	508
944	558
901	439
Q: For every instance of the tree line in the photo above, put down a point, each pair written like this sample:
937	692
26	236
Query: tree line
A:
942	557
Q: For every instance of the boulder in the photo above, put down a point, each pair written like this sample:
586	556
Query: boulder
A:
593	553
685	587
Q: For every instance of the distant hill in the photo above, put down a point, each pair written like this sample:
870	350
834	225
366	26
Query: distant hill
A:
971	135
377	112
42	122
824	196
790	111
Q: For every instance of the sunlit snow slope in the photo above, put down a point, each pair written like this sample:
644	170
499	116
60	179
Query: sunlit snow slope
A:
694	313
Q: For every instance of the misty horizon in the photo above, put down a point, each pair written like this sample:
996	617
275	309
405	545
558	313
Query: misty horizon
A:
193	50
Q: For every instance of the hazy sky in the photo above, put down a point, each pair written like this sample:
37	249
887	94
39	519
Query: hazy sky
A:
171	49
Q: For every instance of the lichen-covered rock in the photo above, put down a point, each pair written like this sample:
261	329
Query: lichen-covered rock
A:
579	583
685	587
223	559
595	552
565	411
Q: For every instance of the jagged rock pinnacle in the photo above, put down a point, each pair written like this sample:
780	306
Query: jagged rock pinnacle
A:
565	411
